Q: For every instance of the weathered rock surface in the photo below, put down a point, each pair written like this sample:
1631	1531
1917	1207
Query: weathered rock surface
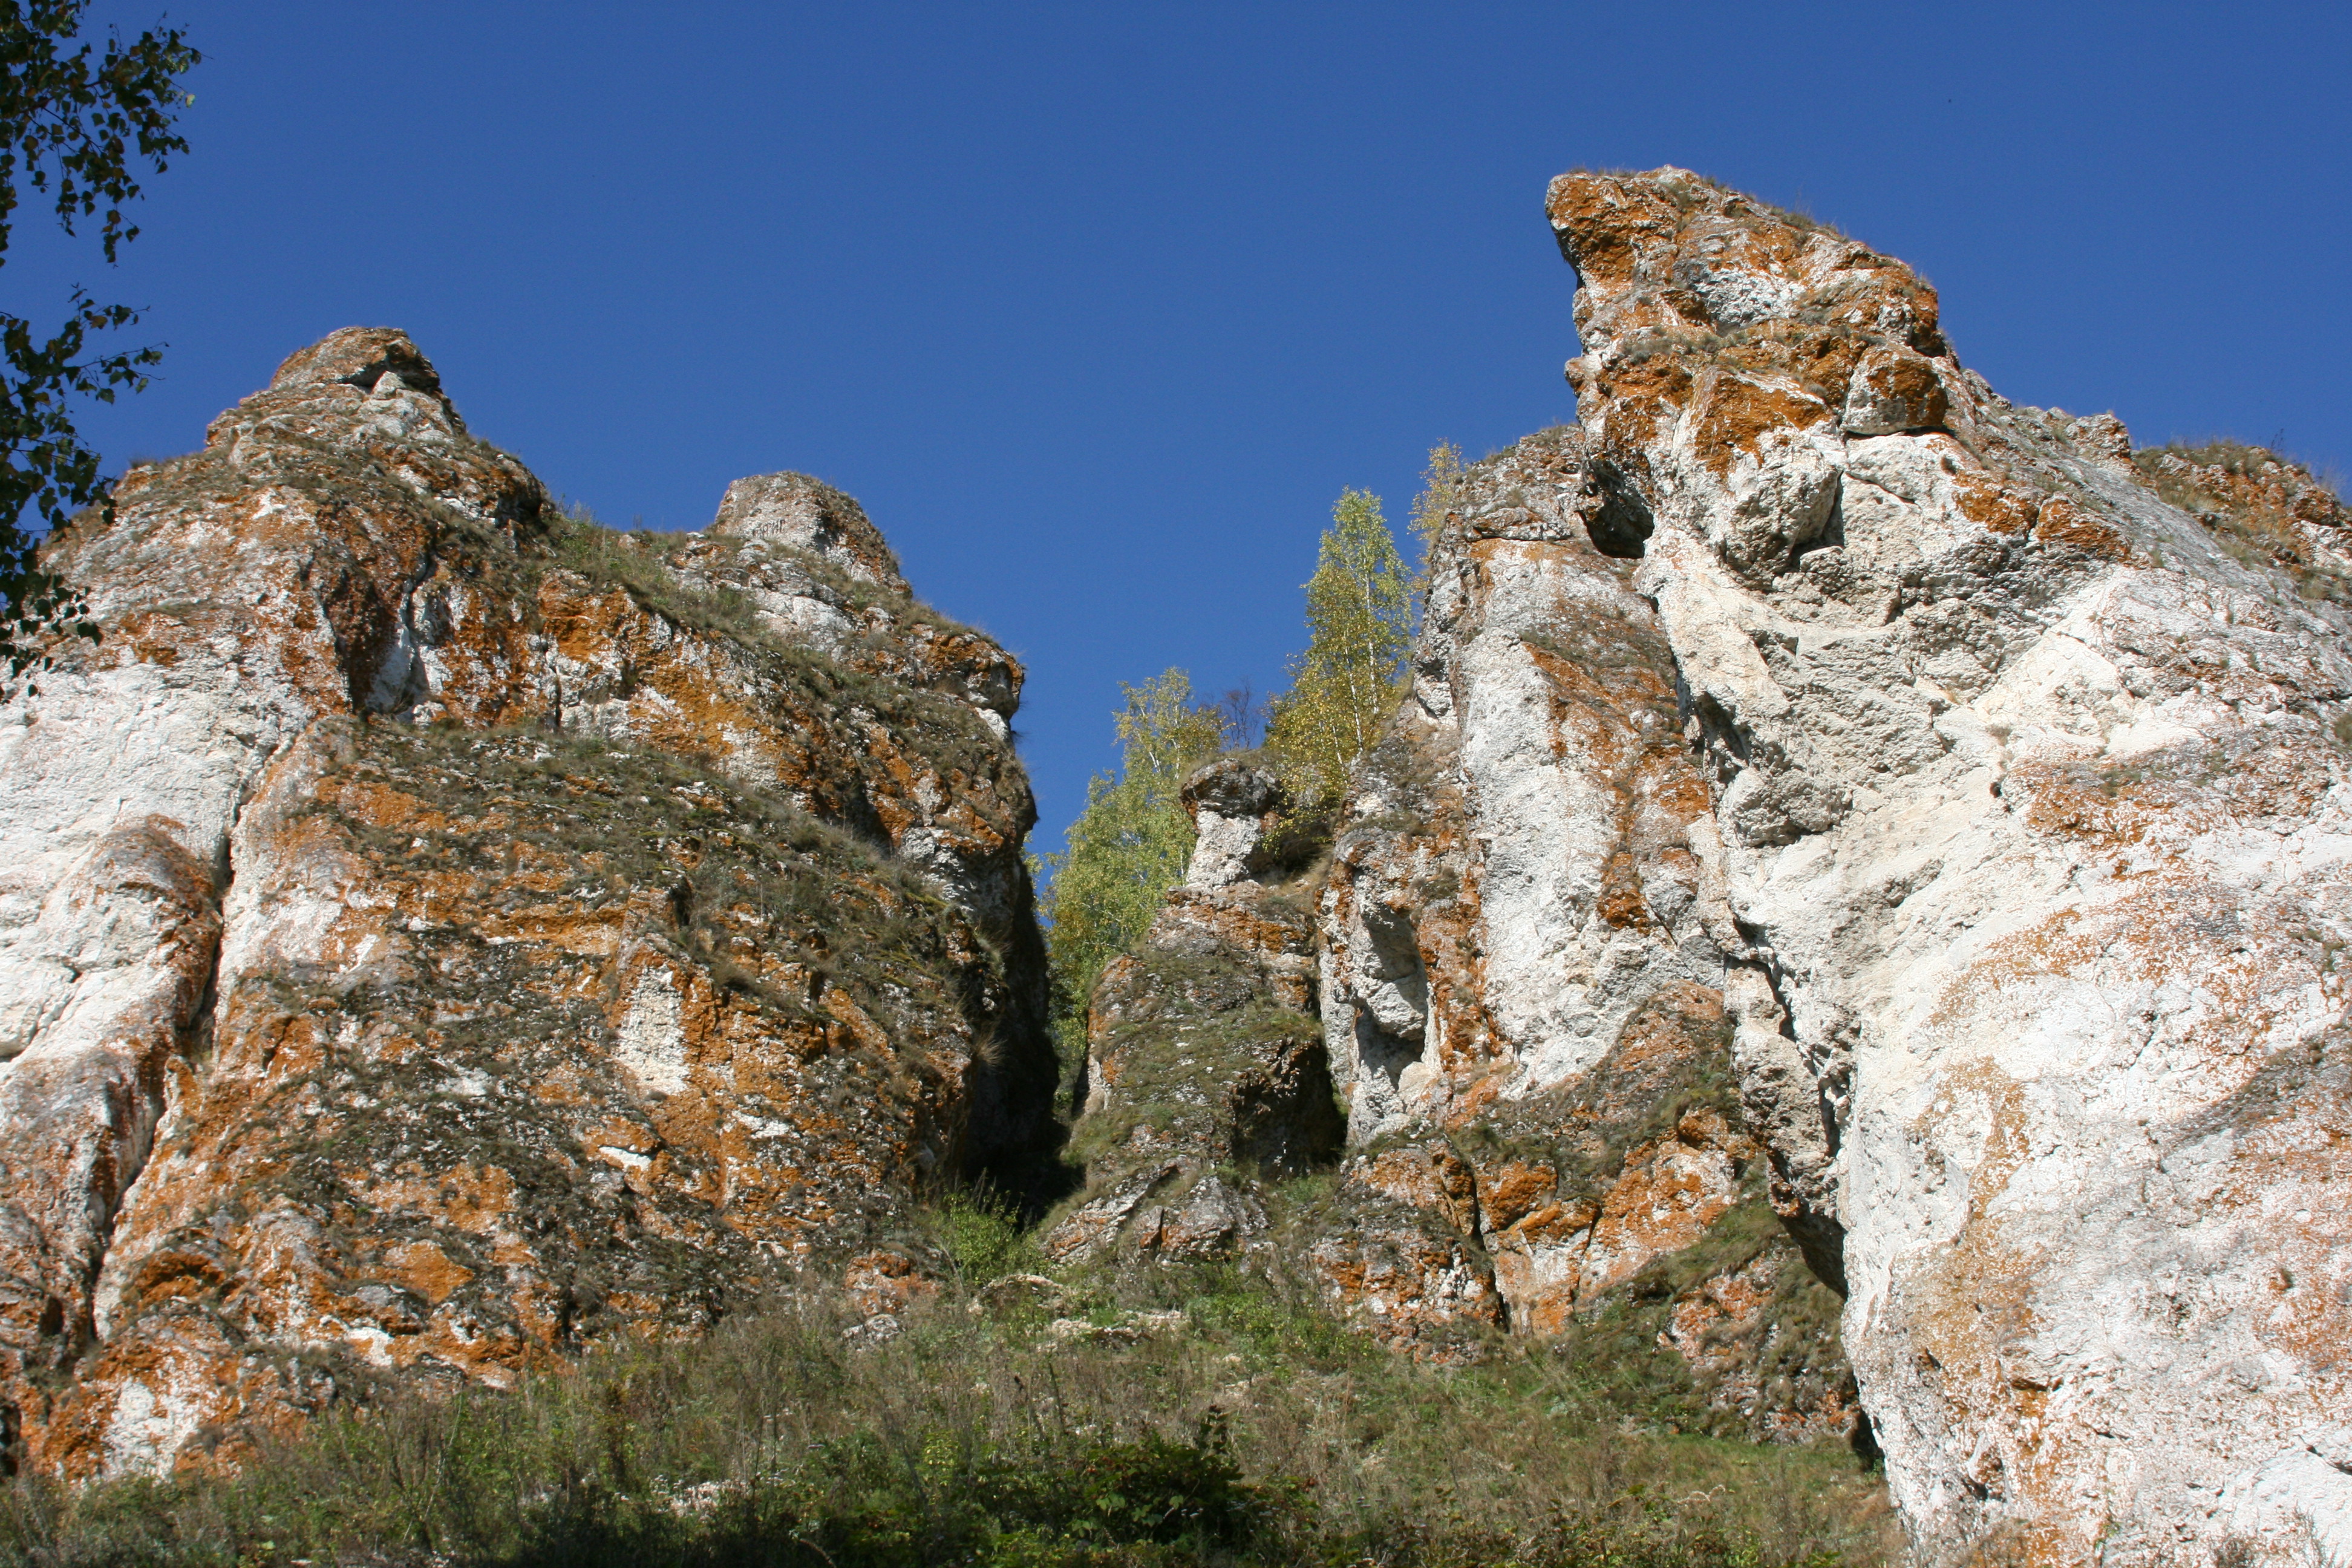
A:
1204	1068
2016	836
1518	976
2262	509
436	933
1523	966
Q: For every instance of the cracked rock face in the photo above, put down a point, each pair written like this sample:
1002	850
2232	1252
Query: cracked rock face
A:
1525	976
436	935
1825	784
2020	833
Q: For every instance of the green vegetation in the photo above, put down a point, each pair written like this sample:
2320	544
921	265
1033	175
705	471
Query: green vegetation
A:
1236	1424
68	125
1130	843
1129	846
984	1237
639	563
1359	624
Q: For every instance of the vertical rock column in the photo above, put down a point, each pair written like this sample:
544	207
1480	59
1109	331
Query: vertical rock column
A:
1203	1052
2032	809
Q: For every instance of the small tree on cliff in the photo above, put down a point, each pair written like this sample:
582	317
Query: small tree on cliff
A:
1359	624
1441	489
1130	844
72	125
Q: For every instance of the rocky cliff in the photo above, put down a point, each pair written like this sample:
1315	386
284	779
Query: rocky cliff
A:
2027	800
1827	786
1846	914
1523	987
1205	1073
1507	968
436	932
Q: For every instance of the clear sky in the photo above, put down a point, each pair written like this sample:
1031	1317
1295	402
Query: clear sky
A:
1098	307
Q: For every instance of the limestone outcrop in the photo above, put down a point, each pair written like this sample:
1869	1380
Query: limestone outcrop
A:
1828	785
437	934
1846	918
1525	827
2004	801
1522	974
1204	1068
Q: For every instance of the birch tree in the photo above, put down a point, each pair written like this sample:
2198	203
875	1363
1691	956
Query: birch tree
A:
1359	627
1130	844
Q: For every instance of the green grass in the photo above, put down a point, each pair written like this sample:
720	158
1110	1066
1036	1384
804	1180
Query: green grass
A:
1251	1430
638	564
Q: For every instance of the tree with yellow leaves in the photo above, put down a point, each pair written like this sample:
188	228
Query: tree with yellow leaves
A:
1441	487
1359	625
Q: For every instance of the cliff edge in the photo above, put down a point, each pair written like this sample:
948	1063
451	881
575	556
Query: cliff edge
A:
2026	839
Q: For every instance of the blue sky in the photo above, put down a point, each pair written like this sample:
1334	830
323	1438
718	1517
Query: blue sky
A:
1098	307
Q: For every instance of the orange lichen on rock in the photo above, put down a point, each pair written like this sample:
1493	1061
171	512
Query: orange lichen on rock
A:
1521	981
542	935
2026	760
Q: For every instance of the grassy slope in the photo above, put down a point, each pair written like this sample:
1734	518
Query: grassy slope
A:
1241	1425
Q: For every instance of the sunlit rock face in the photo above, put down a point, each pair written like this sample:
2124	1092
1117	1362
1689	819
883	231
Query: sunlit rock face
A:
1997	802
1523	965
1512	967
435	935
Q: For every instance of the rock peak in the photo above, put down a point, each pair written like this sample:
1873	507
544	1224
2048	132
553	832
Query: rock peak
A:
343	613
1671	252
1933	650
361	357
805	513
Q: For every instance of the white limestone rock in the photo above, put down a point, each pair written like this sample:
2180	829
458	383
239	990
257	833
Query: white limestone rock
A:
2037	829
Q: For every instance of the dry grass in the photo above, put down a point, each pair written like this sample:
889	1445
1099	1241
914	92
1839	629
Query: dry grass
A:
1240	1426
2260	505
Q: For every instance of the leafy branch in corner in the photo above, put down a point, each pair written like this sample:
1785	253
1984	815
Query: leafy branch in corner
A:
74	125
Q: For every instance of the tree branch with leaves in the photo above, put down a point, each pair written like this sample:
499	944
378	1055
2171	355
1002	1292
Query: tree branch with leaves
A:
76	125
1130	844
